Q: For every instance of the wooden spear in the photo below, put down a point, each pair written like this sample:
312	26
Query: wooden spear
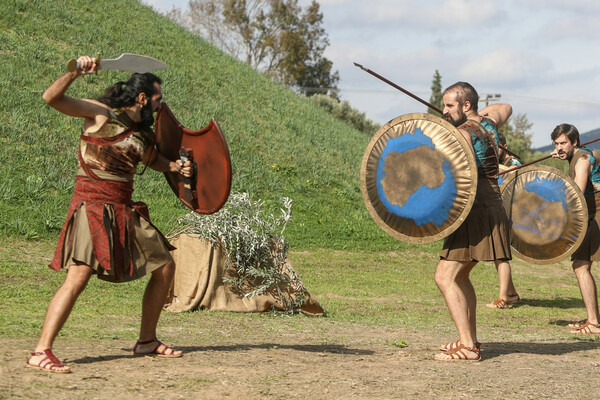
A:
434	108
540	159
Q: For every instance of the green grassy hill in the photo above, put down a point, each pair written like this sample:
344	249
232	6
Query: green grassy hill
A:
280	144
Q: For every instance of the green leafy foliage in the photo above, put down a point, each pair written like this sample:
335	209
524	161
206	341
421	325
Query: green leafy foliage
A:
436	98
518	140
342	110
276	37
255	247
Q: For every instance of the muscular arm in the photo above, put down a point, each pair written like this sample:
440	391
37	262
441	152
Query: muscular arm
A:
91	110
500	113
583	168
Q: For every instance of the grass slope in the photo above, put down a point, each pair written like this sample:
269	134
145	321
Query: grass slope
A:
280	144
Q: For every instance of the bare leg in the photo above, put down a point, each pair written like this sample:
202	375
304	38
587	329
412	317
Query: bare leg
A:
452	278
587	286
508	293
60	307
152	305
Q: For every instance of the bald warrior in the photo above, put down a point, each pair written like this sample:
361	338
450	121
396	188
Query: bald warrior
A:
484	236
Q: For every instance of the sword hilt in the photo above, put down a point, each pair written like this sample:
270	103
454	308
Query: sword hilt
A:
188	183
74	65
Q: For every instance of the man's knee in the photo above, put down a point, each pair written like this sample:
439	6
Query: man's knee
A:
581	266
448	272
77	277
166	272
442	275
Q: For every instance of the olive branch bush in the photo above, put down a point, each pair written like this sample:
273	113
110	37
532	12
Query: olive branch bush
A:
255	247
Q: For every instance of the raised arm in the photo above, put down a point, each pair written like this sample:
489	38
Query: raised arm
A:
499	112
55	96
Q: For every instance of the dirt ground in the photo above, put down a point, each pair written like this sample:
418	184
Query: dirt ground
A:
336	361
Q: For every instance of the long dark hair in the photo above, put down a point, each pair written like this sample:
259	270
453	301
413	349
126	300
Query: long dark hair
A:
123	94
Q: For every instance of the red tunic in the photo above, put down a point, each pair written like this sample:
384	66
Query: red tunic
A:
113	219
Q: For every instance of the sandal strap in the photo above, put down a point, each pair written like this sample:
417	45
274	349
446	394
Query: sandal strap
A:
53	361
148	341
455	345
587	327
458	352
166	350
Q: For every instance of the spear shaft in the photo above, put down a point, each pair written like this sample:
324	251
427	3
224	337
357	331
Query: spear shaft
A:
376	75
434	108
541	159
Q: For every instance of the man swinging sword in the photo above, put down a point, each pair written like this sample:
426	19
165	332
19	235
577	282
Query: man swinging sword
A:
585	171
105	233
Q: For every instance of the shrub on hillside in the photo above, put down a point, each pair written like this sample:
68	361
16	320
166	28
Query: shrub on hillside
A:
344	111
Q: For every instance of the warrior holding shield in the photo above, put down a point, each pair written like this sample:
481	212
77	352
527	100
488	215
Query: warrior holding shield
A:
584	169
483	236
105	233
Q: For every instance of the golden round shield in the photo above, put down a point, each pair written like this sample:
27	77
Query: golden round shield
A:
503	174
547	213
418	178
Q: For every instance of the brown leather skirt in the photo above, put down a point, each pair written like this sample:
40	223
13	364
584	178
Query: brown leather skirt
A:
485	235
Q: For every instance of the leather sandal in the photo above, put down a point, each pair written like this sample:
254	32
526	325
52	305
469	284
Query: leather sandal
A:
586	329
454	345
49	362
160	350
578	324
500	304
459	354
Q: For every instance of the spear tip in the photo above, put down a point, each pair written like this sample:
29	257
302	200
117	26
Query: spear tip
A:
359	66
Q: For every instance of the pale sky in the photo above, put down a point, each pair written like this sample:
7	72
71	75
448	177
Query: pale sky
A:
541	56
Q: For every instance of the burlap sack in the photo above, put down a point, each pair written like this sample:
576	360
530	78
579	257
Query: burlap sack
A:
198	283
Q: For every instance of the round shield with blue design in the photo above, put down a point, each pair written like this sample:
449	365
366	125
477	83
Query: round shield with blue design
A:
419	178
547	212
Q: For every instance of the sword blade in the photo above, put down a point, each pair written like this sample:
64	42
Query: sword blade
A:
133	62
125	62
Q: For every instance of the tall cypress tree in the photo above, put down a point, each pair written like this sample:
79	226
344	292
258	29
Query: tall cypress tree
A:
436	93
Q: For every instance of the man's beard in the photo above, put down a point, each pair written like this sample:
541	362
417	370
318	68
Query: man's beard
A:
462	118
147	116
567	156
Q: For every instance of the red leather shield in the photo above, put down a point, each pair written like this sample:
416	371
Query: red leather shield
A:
207	147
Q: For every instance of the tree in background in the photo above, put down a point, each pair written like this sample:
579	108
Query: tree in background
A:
518	140
436	93
276	37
